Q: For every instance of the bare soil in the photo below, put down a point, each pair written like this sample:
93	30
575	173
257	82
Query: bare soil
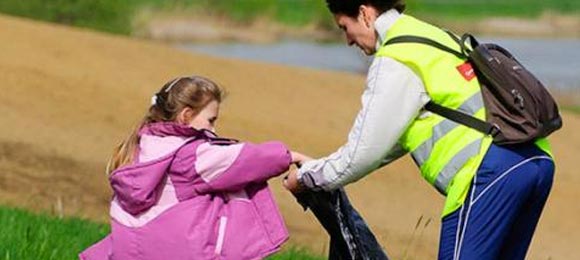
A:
69	95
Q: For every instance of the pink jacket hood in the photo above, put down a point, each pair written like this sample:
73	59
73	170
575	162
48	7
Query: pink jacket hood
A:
137	186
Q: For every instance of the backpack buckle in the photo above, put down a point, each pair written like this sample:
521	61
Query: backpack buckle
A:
494	130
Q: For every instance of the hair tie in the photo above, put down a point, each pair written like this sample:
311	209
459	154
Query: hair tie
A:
154	100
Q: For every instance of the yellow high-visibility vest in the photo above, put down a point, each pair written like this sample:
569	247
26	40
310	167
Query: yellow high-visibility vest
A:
447	153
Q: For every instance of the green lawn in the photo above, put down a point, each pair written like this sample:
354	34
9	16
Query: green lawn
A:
39	236
25	235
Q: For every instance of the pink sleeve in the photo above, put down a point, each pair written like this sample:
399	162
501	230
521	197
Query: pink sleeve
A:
233	167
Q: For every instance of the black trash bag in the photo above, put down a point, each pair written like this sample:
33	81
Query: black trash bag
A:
350	237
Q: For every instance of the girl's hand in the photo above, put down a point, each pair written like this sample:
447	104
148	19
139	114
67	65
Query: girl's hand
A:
291	182
298	158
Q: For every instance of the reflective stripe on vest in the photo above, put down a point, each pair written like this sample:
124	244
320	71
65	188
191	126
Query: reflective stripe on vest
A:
446	175
471	106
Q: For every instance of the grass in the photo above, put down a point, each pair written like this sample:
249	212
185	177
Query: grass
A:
26	235
103	15
295	253
118	16
41	236
571	108
468	9
289	12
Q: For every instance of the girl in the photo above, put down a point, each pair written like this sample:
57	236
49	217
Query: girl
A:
181	192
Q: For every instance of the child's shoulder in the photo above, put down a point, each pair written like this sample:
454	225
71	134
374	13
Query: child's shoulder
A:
209	145
214	139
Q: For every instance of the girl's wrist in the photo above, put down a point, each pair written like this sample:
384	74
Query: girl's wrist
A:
300	180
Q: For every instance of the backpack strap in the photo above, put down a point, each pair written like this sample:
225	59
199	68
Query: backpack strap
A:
451	114
462	118
426	41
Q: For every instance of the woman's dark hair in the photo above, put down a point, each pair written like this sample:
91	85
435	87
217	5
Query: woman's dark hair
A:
351	7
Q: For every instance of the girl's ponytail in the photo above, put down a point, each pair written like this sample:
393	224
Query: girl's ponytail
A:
193	92
124	153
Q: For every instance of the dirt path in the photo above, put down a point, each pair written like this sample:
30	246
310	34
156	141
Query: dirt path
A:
68	95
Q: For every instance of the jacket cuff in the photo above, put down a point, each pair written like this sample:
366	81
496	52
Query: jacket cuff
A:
307	181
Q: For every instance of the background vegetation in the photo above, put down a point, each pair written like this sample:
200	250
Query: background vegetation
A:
490	8
28	236
117	16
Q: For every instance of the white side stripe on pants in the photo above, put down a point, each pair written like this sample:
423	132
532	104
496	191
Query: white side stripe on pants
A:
472	201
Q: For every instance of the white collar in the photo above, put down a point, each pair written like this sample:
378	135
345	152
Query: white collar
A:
383	23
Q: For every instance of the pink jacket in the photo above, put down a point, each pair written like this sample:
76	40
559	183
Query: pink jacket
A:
193	195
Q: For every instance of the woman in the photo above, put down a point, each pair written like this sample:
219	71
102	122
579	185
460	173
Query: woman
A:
494	194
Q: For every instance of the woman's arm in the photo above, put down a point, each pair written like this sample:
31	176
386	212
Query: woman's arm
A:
393	97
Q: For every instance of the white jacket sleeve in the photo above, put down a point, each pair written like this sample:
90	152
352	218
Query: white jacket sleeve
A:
393	97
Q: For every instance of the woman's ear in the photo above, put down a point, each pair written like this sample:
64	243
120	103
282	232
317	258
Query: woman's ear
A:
185	116
368	15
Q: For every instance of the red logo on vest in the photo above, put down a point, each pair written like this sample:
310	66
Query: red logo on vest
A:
466	70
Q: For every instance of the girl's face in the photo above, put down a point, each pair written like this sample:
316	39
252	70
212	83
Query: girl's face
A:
207	117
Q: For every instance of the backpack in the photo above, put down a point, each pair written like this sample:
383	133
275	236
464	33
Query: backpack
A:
519	108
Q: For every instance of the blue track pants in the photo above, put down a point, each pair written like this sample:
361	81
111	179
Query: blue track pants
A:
504	204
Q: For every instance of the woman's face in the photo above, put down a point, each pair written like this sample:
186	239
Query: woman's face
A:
358	31
207	117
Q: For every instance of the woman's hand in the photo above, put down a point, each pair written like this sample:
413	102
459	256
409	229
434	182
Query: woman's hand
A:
298	158
291	180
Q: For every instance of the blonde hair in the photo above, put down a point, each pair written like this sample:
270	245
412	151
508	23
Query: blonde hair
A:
194	92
